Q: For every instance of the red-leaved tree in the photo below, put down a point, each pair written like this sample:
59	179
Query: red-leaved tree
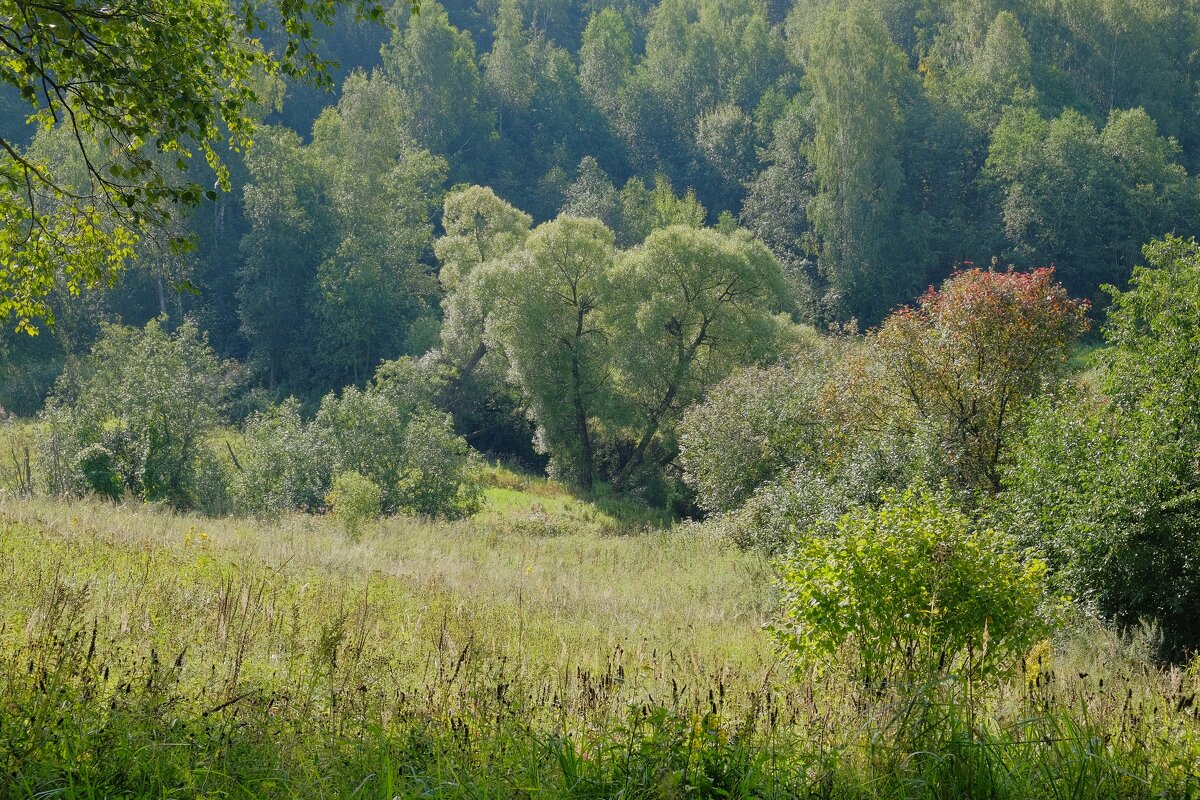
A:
972	354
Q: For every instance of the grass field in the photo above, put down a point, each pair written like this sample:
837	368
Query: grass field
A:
548	647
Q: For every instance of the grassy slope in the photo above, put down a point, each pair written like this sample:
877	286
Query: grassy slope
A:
540	650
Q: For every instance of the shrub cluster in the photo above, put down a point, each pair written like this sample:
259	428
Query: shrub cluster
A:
134	418
140	418
971	390
1107	481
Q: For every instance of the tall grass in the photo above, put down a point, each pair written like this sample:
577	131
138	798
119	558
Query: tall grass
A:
144	654
18	456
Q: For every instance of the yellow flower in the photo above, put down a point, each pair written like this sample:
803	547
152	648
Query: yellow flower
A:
1037	661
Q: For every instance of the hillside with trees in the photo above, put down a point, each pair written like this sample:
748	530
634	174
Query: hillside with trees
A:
872	146
525	398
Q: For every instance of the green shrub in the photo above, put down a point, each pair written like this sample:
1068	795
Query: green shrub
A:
750	428
283	464
387	433
149	397
364	432
440	474
58	449
1112	498
913	588
354	500
99	470
1108	486
779	513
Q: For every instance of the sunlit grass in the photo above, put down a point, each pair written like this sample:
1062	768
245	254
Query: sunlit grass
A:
580	593
147	653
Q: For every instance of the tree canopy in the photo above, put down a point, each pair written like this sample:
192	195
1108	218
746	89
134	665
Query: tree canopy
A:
141	86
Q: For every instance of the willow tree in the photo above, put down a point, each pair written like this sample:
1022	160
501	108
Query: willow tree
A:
690	306
549	300
480	227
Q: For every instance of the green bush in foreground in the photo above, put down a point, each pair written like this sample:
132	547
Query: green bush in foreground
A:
914	589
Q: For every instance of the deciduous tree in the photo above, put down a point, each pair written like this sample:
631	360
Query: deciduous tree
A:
551	299
972	354
100	70
692	304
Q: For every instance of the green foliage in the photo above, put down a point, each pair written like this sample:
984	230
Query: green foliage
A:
354	500
139	416
479	228
1155	335
279	263
108	95
282	465
551	298
509	67
776	206
593	195
783	450
1107	486
687	307
914	588
434	67
858	78
606	59
98	468
940	393
707	64
210	490
691	305
333	281
1087	200
750	428
984	80
726	137
387	434
371	284
364	432
438	475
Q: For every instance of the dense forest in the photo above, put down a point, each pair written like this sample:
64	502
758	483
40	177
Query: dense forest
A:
872	146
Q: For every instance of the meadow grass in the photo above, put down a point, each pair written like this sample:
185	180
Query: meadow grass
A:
18	455
545	648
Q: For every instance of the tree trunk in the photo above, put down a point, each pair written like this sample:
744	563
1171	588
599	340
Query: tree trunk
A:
581	428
